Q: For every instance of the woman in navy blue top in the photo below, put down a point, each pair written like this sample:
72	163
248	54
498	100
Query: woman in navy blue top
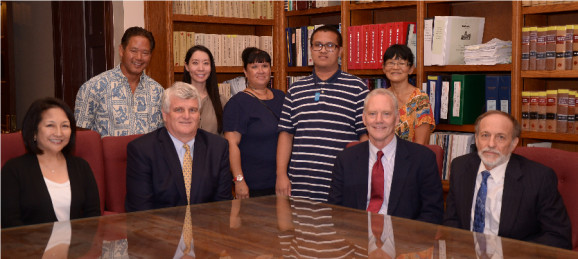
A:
250	123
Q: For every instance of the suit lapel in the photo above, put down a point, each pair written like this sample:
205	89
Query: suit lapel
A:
469	184
399	178
361	164
511	197
199	169
171	158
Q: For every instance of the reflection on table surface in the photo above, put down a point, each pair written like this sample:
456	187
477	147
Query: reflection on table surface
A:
265	227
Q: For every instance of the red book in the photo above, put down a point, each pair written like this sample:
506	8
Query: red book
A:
364	44
374	57
383	43
352	47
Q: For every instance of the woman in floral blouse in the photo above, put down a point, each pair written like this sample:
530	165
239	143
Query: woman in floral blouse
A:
415	113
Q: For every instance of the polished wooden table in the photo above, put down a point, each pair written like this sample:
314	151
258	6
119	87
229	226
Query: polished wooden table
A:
265	227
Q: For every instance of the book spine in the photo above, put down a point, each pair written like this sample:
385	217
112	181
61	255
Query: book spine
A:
551	109
568	50
542	111
525	48
541	48
533	42
533	111
571	111
560	47
562	111
525	110
505	93
551	48
575	49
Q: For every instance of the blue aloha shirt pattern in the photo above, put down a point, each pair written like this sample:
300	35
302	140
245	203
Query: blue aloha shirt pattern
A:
106	105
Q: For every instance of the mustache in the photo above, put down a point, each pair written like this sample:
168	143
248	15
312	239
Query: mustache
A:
491	150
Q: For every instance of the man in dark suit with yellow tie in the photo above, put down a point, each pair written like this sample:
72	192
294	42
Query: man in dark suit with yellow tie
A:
500	193
178	164
386	174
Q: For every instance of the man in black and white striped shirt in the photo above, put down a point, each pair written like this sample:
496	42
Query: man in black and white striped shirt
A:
321	114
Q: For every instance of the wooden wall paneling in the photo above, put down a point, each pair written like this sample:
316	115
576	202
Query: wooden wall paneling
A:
158	21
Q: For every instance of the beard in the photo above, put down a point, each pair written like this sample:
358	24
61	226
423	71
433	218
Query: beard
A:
496	162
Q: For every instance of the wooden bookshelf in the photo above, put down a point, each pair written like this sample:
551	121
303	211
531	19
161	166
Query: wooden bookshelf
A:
469	68
161	21
458	128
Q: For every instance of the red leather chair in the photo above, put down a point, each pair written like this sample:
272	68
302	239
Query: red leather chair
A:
115	170
435	148
565	164
88	146
12	146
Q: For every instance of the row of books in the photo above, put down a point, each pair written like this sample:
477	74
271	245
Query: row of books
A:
544	2
550	111
226	49
367	43
238	9
460	98
299	54
445	38
454	144
294	5
550	48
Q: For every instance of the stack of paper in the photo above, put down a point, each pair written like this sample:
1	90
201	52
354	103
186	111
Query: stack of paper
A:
493	52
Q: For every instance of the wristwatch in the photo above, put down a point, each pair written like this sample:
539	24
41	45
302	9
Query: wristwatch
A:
238	178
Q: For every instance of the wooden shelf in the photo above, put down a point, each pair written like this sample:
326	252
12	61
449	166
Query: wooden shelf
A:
322	10
553	8
469	68
550	136
385	4
221	20
550	74
460	128
300	69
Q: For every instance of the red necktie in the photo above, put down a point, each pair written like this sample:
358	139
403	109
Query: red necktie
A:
377	228
376	198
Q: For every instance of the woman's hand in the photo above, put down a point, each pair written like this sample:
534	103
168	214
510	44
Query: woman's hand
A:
241	190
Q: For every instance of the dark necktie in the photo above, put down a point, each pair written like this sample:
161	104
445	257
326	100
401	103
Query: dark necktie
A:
480	210
376	197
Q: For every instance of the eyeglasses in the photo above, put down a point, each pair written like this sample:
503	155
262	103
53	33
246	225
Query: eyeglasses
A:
499	138
318	46
393	64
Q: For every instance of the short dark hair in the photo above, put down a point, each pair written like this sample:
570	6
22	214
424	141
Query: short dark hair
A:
328	28
516	131
211	84
254	55
34	116
399	51
137	31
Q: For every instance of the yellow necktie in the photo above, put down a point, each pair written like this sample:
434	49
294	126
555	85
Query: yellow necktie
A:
187	172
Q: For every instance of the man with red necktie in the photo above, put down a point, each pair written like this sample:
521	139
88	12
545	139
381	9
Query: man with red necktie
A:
387	175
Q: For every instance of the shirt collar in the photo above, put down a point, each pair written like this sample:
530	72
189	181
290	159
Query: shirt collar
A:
388	150
497	173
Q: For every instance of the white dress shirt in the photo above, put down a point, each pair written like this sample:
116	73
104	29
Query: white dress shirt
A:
388	162
180	149
495	186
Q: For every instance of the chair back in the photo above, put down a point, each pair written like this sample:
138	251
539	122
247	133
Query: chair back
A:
115	170
12	146
439	151
565	164
89	147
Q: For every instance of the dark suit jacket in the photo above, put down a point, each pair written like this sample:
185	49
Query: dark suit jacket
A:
532	209
25	197
154	177
416	189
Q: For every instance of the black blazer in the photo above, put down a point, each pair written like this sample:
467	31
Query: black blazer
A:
416	188
532	208
25	197
154	177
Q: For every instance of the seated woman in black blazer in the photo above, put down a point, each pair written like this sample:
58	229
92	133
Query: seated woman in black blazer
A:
48	184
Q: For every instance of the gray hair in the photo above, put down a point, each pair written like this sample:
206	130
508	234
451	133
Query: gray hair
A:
382	91
181	90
